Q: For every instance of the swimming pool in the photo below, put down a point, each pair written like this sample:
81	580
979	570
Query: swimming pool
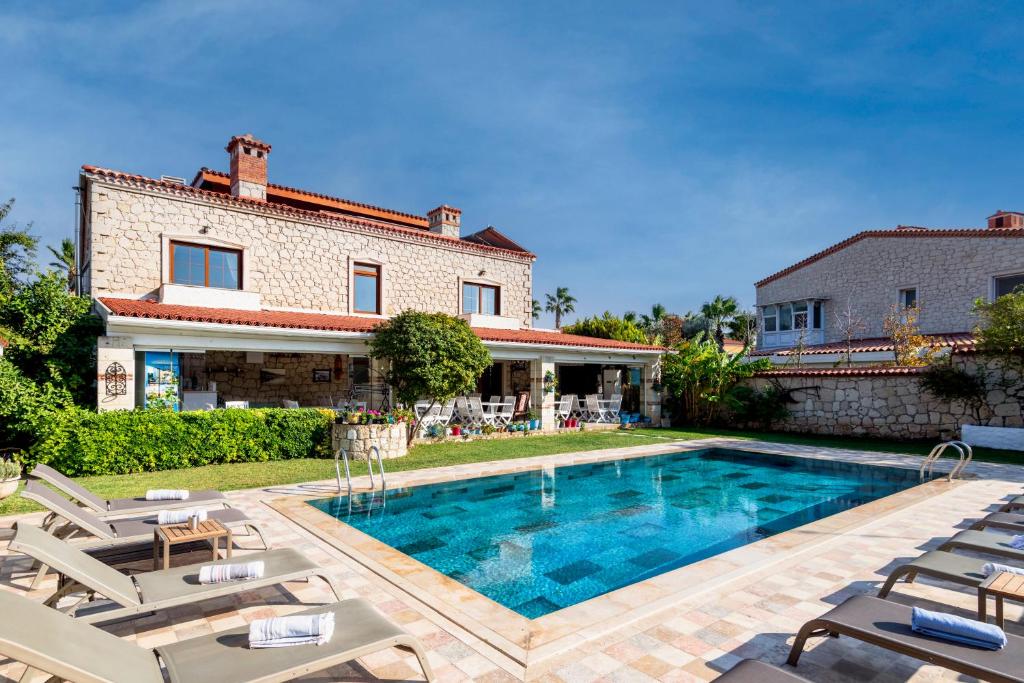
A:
539	541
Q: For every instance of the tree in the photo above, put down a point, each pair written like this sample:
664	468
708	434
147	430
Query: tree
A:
66	262
560	303
537	310
17	249
1001	323
429	355
701	377
718	311
672	329
850	324
694	325
608	327
743	327
900	325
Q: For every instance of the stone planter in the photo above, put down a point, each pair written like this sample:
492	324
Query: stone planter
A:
8	486
358	439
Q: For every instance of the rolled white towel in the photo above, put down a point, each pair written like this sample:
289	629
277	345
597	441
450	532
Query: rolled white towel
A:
991	568
1017	542
179	516
219	573
299	629
167	494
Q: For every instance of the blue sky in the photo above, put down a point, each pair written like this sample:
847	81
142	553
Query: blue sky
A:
647	152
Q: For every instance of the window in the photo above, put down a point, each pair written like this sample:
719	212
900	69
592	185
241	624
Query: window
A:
800	316
770	316
484	299
785	317
366	285
202	266
908	297
1007	283
817	315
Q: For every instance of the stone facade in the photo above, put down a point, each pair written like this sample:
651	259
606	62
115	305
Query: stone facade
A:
949	273
391	440
289	262
889	406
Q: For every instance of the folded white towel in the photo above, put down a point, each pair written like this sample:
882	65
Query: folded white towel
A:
167	494
991	568
179	516
219	573
300	629
1017	542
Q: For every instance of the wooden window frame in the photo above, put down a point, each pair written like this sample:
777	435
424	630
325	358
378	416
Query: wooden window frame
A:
360	268
206	263
479	298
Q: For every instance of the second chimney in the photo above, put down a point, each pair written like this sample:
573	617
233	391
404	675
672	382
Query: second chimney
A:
445	220
1006	219
248	166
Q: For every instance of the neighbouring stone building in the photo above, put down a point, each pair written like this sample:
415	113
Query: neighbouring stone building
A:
941	271
231	288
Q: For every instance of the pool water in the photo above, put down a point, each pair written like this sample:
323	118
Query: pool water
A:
539	541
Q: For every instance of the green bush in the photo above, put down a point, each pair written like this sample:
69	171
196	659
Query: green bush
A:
79	442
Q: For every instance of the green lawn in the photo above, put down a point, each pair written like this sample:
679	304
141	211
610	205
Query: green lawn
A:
262	474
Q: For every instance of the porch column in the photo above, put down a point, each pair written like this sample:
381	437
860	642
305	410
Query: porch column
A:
541	401
651	399
115	373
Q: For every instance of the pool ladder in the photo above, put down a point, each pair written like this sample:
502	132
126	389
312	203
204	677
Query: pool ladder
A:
341	457
958	469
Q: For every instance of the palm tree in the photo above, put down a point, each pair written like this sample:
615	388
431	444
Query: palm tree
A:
718	311
66	262
630	317
652	322
537	310
560	303
743	327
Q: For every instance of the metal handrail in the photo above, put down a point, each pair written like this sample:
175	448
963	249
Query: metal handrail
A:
936	453
959	469
341	456
380	469
337	469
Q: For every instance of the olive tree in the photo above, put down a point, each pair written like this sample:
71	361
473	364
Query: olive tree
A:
432	356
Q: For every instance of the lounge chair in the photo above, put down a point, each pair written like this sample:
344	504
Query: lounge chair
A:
887	625
48	641
984	542
938	564
148	591
1013	504
125	530
1007	521
754	671
123	506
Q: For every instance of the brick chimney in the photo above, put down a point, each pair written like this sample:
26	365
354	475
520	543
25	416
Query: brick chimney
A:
248	166
1006	219
445	220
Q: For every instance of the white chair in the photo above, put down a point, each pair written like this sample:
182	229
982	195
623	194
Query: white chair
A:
577	410
477	416
614	407
506	412
290	404
462	411
494	399
420	408
593	412
437	415
564	410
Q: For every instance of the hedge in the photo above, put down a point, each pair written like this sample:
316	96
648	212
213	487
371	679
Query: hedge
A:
79	442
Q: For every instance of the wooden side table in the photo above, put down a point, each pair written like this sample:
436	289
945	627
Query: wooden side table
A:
169	535
1000	586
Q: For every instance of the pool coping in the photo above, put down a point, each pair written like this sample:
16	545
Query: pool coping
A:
526	642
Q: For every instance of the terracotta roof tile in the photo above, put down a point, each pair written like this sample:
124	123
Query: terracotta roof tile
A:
868	371
318	216
904	232
141	308
960	342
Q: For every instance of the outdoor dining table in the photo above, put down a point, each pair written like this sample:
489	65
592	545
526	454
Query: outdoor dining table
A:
491	406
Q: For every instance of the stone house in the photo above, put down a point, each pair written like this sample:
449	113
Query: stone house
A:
941	271
232	288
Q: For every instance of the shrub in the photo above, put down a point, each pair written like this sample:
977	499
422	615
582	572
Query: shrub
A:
608	327
1001	323
760	407
79	442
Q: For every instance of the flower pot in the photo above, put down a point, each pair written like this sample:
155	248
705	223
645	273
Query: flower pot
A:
534	424
8	486
456	431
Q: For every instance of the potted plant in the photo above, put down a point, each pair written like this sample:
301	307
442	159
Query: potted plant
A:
10	474
550	382
353	417
533	418
456	430
488	429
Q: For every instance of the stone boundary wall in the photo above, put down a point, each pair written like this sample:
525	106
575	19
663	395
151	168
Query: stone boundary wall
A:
886	402
389	438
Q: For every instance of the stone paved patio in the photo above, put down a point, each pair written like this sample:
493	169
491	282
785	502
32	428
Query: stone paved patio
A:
754	615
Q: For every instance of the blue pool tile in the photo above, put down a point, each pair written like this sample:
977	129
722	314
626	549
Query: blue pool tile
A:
655	558
537	607
774	498
421	546
572	573
536	526
754	485
625	495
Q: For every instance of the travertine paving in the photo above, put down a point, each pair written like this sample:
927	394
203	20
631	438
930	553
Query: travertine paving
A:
704	633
